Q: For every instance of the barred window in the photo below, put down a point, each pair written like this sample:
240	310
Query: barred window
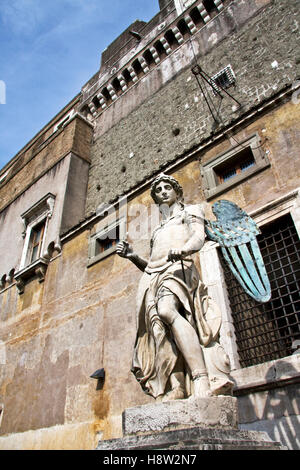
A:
225	78
224	171
267	331
242	161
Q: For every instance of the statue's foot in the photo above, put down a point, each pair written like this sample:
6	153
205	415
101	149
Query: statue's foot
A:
221	386
201	387
175	394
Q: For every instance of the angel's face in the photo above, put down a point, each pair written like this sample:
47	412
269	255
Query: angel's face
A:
165	193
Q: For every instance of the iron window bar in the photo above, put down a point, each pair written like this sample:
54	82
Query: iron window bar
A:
267	331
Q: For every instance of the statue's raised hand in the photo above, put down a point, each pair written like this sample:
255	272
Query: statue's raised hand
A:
124	249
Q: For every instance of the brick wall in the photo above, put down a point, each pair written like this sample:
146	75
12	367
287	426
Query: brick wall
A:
74	137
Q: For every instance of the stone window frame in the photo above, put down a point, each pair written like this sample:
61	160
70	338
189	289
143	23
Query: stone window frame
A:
36	242
35	215
212	187
105	228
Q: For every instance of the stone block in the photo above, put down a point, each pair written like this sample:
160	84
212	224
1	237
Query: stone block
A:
205	412
192	424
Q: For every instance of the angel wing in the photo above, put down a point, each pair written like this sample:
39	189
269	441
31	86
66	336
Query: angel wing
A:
236	233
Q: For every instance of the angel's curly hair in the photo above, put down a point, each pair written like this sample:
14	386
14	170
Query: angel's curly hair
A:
173	182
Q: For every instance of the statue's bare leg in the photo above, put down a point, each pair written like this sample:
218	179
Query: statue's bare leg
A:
176	390
186	340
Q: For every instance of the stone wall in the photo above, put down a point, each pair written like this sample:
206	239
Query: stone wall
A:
279	134
67	181
54	337
269	399
56	334
120	46
175	119
31	165
80	319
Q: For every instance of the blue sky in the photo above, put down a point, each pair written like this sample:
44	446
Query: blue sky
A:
48	50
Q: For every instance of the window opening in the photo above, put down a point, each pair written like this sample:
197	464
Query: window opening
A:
160	49
103	243
196	17
241	162
172	41
96	102
210	7
149	57
267	331
36	241
111	239
183	28
35	221
136	65
237	164
107	96
117	86
223	79
127	77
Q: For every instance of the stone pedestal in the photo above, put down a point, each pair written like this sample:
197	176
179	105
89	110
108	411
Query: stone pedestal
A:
193	424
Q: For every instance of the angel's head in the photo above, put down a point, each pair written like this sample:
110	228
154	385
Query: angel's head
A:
166	190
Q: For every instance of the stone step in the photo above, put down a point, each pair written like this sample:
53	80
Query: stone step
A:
194	424
194	439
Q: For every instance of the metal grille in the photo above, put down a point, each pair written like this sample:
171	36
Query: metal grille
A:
266	331
223	79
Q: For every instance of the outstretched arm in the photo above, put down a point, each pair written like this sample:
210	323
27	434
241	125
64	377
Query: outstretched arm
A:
125	251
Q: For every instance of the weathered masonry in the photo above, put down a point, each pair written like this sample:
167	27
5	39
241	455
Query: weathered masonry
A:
207	91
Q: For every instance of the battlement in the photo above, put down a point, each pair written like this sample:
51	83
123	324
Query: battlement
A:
145	46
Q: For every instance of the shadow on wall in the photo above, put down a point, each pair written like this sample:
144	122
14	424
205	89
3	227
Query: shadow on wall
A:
276	410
